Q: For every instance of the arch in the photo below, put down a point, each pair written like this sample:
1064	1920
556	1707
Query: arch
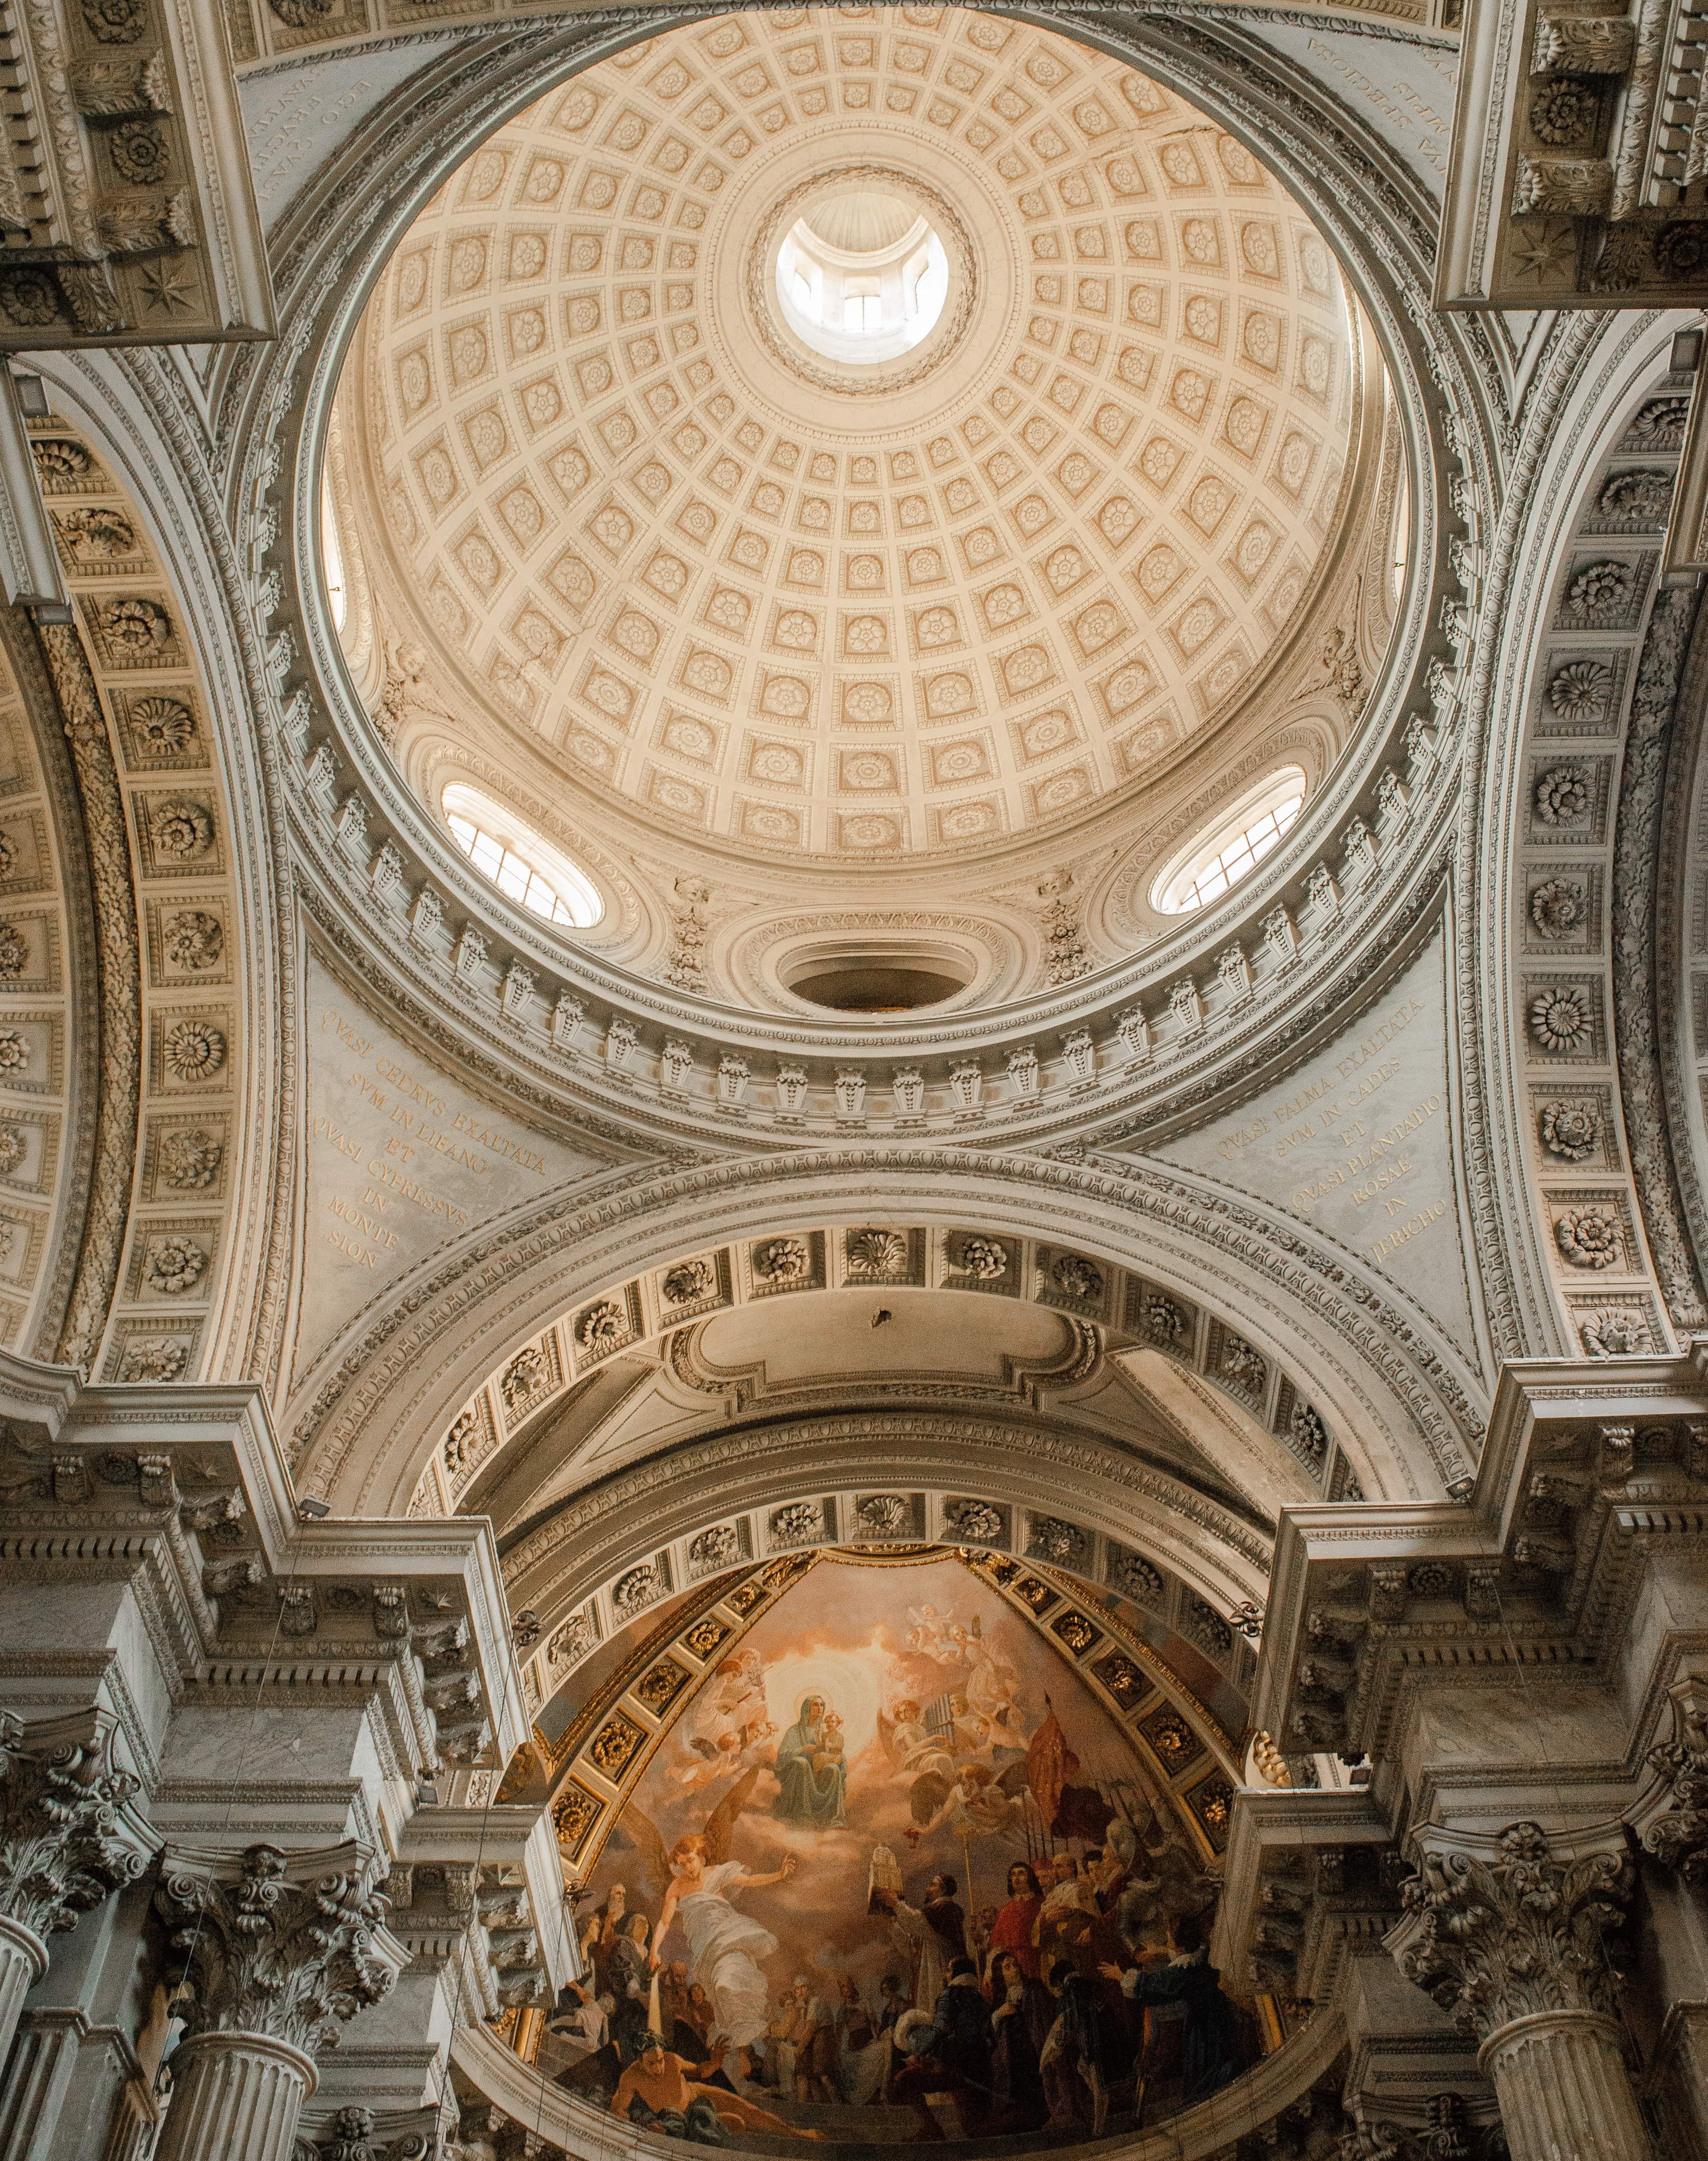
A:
371	1411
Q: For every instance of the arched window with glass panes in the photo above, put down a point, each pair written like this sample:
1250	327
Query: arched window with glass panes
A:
522	864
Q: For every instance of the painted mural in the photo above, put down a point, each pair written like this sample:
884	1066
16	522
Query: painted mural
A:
894	1873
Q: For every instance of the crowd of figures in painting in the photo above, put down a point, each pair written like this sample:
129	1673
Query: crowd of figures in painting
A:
892	1854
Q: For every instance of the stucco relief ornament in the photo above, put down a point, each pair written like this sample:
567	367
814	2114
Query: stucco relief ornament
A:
782	1260
1164	1320
1569	1129
1309	1435
173	1262
1503	1933
983	1257
526	1373
69	1834
879	1255
194	940
1076	1277
573	1641
183	830
1660	424
883	1515
1679	1837
267	1956
1644	497
14	950
1563	112
1563	796
602	1325
1134	1575
797	1522
190	1159
719	1547
689	1280
908	1084
1582	689
1558	907
61	465
1601	592
1052	1540
99	531
164	725
464	1427
11	1150
1241	1364
974	1519
1620	1332
1589	1239
138	628
154	1358
1559	1020
639	1587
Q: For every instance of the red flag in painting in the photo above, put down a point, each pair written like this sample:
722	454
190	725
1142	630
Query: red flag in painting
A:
1050	1763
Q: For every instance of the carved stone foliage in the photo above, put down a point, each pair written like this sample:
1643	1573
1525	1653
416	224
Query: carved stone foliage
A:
1679	1834
289	1946
128	219
1497	1929
69	1834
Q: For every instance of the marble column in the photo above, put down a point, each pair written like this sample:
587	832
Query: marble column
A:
1506	1934
1564	2095
76	2069
278	1950
235	2097
23	1960
69	1837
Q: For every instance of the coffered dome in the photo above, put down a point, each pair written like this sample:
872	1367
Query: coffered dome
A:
670	551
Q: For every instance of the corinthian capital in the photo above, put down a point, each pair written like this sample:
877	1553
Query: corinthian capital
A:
1496	1929
69	1834
288	1945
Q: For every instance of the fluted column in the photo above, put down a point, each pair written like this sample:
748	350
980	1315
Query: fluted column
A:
277	1950
23	1960
1564	2094
69	1837
236	2097
1507	1934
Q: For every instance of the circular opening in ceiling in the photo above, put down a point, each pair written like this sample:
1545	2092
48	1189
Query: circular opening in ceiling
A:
876	979
862	276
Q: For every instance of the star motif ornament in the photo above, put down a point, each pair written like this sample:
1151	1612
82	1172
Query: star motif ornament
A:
169	291
1544	254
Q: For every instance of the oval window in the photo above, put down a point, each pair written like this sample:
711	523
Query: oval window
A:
1212	862
522	864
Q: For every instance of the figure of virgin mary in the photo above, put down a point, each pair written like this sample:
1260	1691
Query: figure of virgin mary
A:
811	1771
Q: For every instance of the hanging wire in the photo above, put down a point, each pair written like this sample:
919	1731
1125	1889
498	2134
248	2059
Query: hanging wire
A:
162	2068
480	1850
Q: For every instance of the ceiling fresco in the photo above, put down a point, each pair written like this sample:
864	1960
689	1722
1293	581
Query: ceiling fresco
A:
894	1769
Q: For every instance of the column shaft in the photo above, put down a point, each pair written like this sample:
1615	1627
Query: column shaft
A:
23	1960
1564	2094
235	2097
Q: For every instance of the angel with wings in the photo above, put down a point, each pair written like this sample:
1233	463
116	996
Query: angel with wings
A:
700	1881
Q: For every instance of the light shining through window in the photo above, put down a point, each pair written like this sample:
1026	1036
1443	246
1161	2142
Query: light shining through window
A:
541	880
1245	832
1240	855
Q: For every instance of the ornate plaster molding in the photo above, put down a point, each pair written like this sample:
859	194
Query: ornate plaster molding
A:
119	959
